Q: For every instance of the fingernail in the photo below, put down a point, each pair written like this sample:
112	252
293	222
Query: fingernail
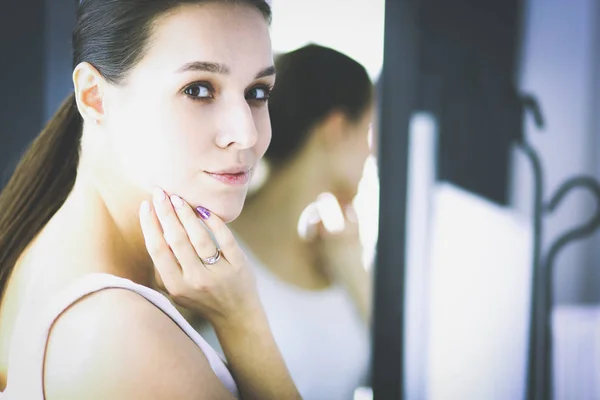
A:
145	207
176	201
159	194
204	213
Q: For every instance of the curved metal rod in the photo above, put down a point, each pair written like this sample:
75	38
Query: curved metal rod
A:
573	234
534	344
531	104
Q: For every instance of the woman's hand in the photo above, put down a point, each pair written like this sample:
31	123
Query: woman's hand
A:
334	236
224	293
178	241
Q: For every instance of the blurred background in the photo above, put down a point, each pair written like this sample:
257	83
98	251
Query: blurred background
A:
459	86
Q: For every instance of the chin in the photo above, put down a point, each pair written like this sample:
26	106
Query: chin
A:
228	209
228	215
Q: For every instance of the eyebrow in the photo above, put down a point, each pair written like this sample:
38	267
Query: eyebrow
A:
216	68
265	72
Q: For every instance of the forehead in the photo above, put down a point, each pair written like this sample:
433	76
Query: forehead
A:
234	35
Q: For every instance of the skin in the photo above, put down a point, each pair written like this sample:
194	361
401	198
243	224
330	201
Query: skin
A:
161	141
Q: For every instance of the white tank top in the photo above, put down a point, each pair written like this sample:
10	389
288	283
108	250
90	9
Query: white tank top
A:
26	363
321	336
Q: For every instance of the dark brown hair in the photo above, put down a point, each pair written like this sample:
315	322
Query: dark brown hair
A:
112	35
313	81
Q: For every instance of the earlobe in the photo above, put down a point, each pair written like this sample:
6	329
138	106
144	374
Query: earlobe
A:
89	93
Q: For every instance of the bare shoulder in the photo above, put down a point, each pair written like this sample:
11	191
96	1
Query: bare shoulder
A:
114	344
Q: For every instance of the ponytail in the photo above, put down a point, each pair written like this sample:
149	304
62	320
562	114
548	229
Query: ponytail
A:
39	186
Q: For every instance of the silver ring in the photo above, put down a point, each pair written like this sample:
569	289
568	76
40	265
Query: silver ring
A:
212	260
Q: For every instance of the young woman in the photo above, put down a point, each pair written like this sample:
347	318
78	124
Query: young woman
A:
128	190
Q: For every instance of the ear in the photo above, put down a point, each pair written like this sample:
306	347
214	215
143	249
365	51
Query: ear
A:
334	128
89	92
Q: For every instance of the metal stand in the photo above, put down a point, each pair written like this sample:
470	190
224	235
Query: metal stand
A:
540	355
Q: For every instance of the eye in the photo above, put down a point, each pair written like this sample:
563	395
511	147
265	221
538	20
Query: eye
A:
199	91
259	93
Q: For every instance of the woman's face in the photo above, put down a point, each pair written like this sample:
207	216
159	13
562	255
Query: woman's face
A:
192	116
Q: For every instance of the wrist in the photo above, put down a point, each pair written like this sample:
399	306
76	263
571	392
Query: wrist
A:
250	318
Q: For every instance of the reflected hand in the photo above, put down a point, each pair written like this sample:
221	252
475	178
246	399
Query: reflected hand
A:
333	234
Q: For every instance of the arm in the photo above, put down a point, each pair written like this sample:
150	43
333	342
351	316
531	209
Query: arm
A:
335	241
252	354
254	358
116	345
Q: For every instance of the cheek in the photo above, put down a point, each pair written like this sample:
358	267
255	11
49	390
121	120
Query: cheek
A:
353	161
354	170
157	146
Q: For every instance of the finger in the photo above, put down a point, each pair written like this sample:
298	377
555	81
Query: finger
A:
163	258
174	233
222	234
330	212
308	223
351	214
197	232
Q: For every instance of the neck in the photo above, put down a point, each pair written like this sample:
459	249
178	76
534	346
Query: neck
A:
104	211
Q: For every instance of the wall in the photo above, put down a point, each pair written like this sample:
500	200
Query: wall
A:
21	79
35	72
591	290
558	67
58	54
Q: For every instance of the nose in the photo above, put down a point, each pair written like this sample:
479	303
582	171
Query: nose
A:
237	128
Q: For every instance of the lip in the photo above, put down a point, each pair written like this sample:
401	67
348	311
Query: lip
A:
232	176
233	170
